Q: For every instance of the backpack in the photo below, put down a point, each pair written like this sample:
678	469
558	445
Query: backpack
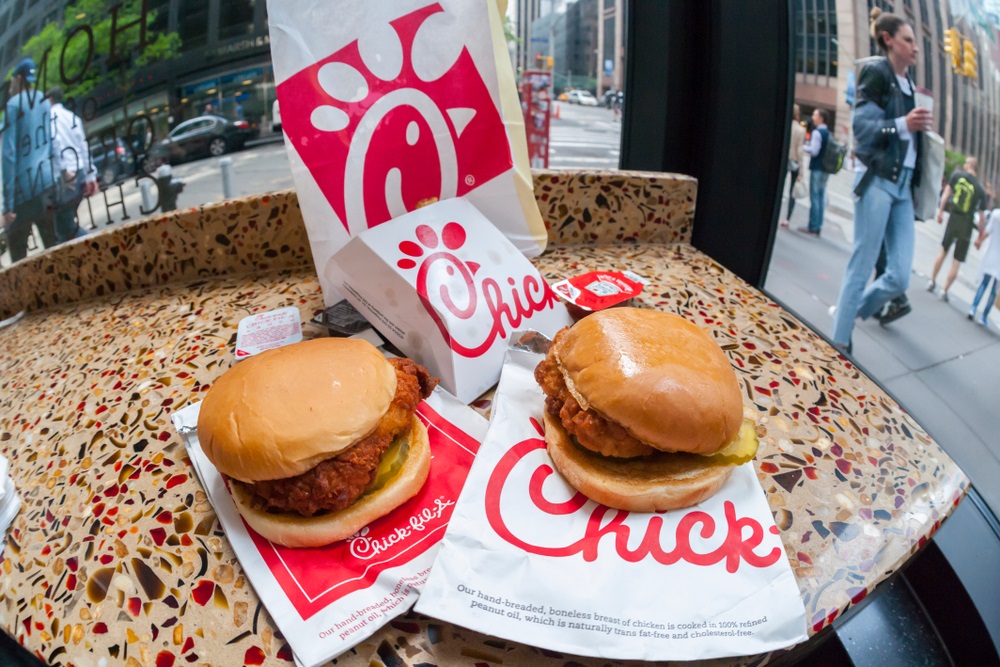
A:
963	196
833	153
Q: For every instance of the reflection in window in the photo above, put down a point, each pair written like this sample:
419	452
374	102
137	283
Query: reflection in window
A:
235	18
160	9
928	63
815	32
943	93
193	23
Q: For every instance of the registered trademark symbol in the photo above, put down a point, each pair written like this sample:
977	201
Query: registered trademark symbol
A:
470	180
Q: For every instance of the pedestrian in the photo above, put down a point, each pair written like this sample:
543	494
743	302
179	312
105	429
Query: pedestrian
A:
76	175
989	266
29	154
898	306
888	129
964	196
818	141
798	137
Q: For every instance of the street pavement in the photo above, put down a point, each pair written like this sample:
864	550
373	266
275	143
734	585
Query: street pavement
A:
583	138
941	367
262	167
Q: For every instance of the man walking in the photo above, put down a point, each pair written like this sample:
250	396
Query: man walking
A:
75	173
963	196
818	177
28	155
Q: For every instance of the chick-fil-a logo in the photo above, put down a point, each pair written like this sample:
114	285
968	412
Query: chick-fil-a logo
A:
735	548
399	116
445	280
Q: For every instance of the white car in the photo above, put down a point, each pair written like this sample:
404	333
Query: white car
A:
582	97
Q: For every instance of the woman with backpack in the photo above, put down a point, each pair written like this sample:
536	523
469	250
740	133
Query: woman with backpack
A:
888	129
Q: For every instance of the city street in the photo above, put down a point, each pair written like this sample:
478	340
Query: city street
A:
584	138
938	364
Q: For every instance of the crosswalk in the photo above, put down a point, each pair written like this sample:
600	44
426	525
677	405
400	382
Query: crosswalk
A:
584	139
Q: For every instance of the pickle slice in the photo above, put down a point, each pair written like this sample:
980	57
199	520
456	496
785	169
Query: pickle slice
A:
391	464
739	450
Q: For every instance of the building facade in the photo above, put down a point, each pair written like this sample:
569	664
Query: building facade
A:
831	35
569	37
223	64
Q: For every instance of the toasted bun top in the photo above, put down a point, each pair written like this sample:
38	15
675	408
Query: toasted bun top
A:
661	377
280	413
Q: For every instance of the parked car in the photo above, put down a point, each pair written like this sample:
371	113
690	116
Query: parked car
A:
207	135
582	97
113	159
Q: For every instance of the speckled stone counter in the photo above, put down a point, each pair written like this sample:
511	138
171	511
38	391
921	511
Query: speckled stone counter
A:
117	557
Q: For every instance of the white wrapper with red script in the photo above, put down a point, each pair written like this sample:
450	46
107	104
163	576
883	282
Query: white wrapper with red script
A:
328	599
446	287
388	105
528	558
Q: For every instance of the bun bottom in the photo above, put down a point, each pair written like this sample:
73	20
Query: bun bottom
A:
293	530
645	484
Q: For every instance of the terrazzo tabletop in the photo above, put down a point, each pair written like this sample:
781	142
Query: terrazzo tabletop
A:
117	557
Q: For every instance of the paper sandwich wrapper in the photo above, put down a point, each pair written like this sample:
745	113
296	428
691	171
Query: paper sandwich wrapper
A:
528	558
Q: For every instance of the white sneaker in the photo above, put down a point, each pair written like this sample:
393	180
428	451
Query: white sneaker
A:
931	285
944	297
832	310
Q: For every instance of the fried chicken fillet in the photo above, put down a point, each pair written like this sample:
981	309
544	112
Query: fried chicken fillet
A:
591	429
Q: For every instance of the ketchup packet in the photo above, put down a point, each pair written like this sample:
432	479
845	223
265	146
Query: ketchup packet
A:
528	558
268	330
328	599
597	290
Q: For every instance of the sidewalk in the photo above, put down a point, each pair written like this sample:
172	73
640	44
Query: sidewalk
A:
944	369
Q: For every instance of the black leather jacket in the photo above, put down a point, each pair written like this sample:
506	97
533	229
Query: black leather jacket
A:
879	103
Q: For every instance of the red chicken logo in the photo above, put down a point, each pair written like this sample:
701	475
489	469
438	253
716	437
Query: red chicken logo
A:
382	130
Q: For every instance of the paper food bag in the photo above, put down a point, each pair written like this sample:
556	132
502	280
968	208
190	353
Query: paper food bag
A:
389	105
328	599
528	558
927	194
445	287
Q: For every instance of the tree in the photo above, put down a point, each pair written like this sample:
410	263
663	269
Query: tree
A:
76	52
508	32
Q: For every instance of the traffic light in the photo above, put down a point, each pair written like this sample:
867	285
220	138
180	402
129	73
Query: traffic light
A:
952	45
969	61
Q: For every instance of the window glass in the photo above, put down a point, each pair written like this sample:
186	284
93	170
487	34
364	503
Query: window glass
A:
193	23
235	18
160	11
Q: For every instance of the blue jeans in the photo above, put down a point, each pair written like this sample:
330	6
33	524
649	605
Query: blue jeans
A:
981	291
817	199
884	213
66	225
